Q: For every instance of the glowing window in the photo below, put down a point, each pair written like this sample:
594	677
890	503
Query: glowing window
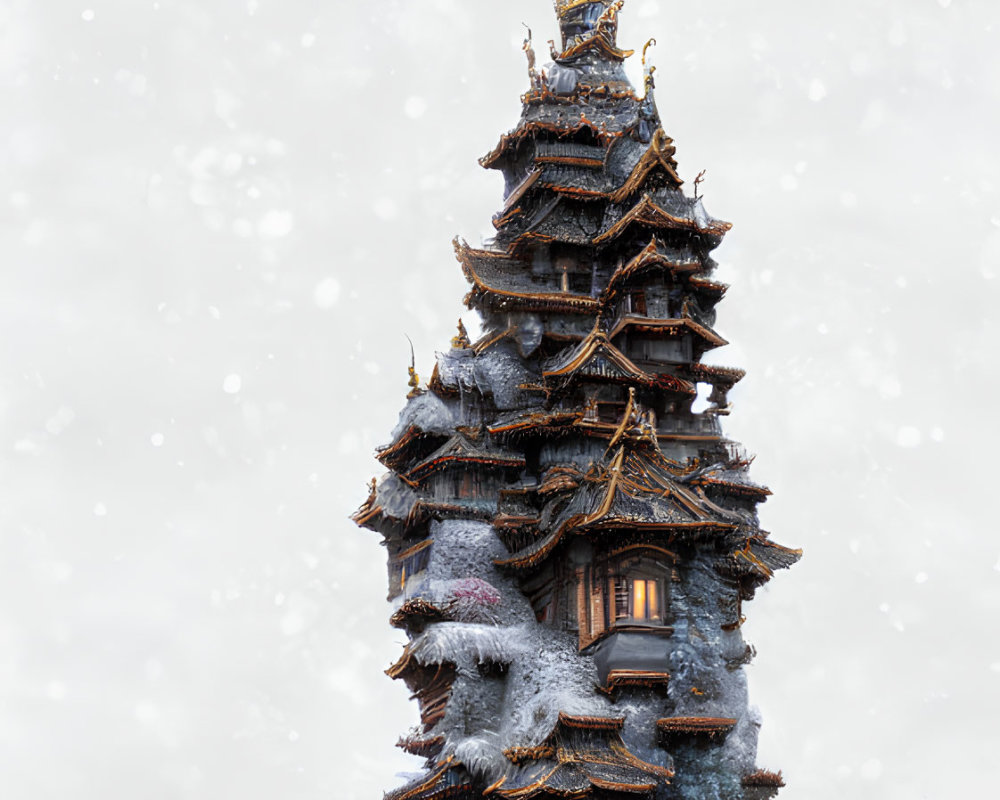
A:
626	591
637	599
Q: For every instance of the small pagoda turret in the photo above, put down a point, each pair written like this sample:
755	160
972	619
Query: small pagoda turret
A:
571	536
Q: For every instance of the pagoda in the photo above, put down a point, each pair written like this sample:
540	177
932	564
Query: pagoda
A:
571	538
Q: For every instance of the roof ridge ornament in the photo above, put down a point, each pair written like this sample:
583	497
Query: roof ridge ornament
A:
648	70
414	382
645	48
529	52
610	15
461	341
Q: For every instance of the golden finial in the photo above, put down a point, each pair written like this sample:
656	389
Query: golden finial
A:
462	341
414	382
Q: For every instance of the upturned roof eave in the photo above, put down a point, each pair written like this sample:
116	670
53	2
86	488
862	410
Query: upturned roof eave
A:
703	332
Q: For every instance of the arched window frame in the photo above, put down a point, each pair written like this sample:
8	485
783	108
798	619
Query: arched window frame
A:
617	585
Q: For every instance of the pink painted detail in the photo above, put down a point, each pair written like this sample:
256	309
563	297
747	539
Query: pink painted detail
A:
474	590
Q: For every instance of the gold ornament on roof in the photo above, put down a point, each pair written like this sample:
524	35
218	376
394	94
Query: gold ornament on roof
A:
645	47
610	15
462	341
649	83
414	382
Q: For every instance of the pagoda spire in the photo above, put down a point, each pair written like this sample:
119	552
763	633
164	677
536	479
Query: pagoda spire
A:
581	21
571	539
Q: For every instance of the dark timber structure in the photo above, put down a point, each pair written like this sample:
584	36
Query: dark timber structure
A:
571	537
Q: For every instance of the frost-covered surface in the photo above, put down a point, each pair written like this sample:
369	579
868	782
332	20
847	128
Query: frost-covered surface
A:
427	413
546	674
457	368
499	374
467	644
395	497
183	201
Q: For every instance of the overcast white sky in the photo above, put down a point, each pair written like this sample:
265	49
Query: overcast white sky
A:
218	218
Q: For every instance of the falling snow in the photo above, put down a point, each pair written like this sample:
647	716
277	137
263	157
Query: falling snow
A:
303	172
232	384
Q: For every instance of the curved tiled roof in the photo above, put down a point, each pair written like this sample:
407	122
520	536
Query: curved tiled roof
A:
637	490
582	754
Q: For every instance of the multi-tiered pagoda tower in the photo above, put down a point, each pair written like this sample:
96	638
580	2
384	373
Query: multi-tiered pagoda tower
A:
571	540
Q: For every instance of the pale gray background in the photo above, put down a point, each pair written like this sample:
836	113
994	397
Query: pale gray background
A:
219	217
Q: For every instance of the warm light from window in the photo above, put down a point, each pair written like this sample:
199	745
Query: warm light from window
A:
639	599
623	598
